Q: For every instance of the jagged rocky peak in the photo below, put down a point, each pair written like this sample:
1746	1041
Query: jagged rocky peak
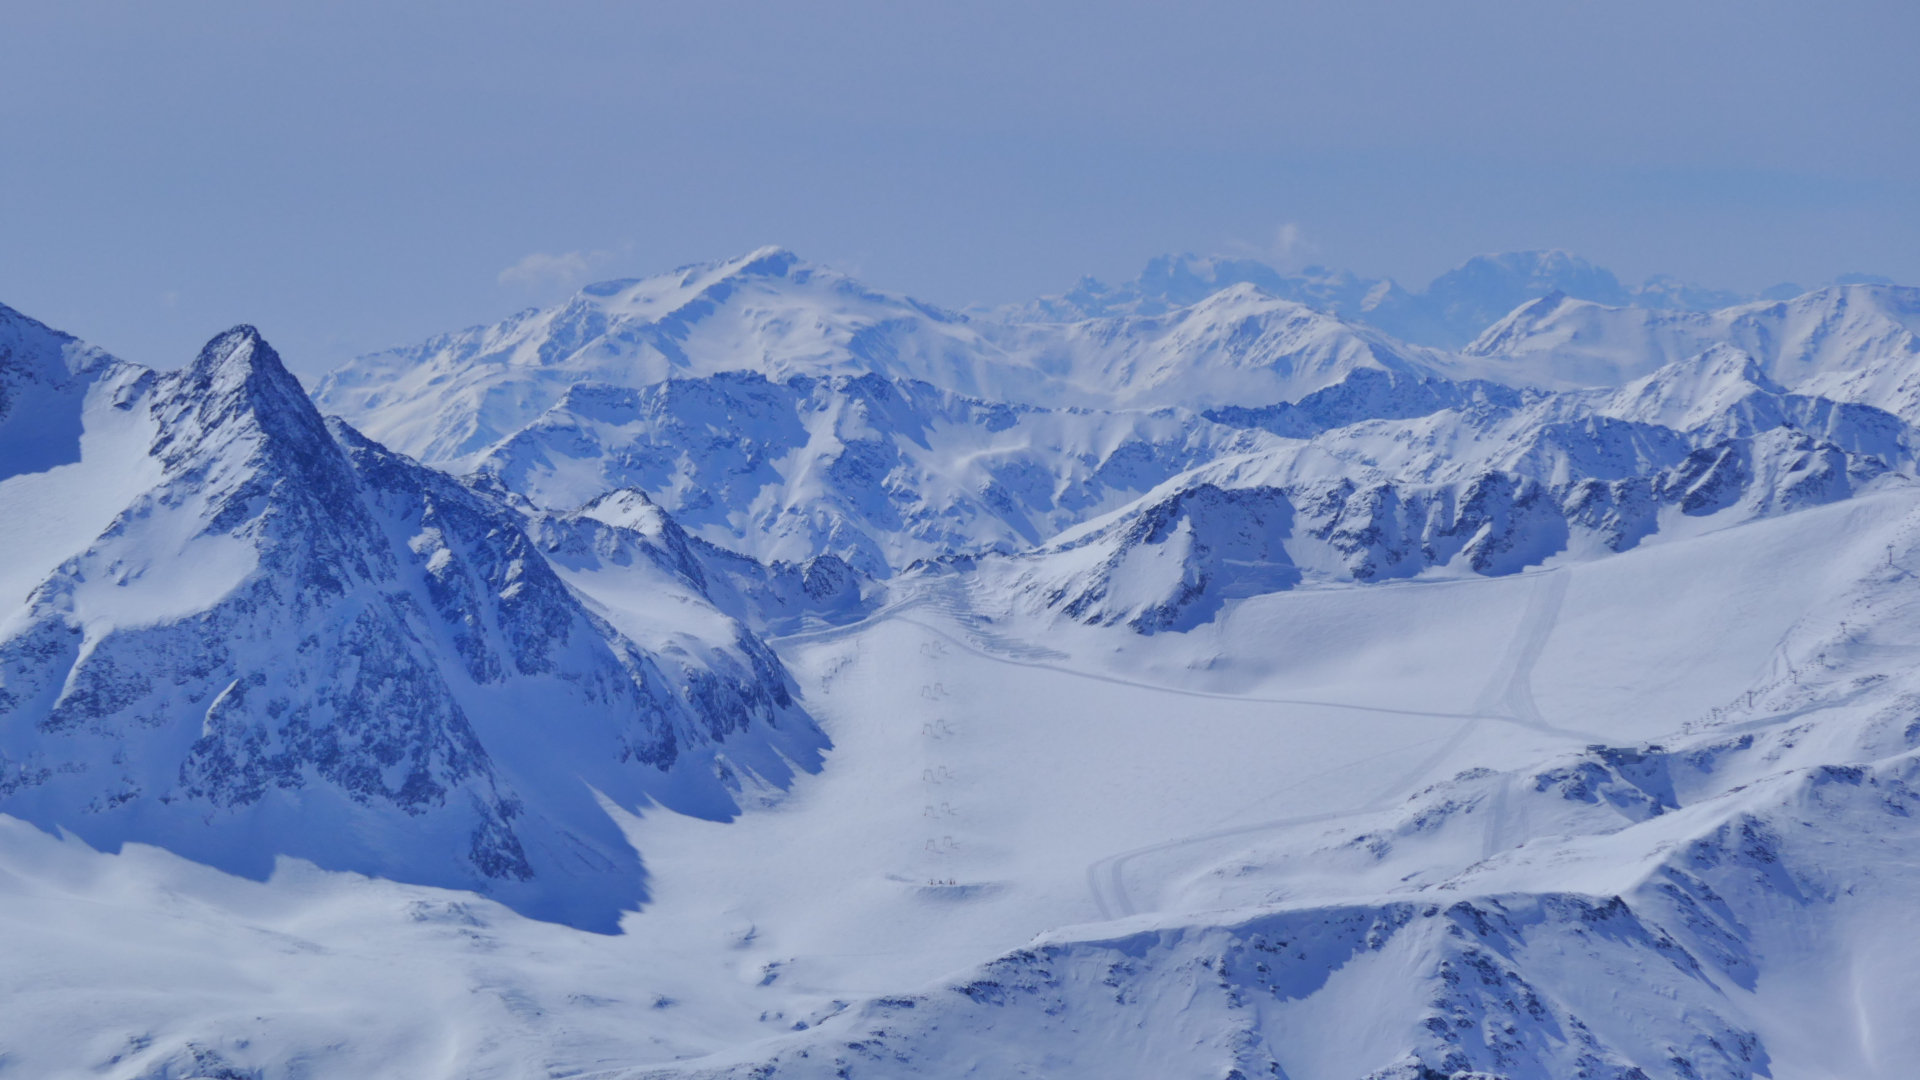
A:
236	406
239	378
287	640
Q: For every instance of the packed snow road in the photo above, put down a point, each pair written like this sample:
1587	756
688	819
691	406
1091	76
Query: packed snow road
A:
1511	686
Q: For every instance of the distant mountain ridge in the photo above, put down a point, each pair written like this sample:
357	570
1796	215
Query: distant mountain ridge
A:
1525	480
448	399
1449	312
785	412
1850	342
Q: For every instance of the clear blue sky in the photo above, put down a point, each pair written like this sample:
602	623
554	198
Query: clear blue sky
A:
350	174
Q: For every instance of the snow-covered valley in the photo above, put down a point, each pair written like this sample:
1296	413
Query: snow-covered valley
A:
1222	690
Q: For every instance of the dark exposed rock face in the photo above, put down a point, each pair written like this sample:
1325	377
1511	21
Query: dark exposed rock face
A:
300	643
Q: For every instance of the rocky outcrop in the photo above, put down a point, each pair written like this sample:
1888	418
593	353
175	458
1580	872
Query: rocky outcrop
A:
299	643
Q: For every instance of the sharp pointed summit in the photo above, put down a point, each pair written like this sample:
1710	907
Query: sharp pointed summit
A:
149	698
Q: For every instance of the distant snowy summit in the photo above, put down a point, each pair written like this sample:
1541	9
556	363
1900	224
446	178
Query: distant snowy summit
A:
1449	312
786	412
769	313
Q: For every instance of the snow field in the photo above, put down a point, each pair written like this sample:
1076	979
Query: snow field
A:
1045	751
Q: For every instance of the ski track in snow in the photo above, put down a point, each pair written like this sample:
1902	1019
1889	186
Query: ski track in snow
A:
1511	685
1511	689
1507	698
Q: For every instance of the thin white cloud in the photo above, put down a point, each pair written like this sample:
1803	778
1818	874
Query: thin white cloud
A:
540	271
1288	250
1287	242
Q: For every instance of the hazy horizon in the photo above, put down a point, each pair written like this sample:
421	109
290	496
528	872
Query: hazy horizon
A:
363	176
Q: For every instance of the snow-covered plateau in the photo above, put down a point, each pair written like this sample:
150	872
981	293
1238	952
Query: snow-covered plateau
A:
747	673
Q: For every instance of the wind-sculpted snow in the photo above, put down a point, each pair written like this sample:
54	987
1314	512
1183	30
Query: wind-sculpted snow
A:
1490	484
295	642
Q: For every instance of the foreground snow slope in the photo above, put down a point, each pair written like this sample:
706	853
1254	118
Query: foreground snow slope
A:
1393	789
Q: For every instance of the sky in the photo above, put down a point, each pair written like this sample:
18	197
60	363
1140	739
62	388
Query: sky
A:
353	175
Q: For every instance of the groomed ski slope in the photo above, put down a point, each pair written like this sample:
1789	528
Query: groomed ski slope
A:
992	778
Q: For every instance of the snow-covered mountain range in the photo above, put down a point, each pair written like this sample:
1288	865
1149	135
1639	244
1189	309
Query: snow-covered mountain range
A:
1449	312
784	412
744	672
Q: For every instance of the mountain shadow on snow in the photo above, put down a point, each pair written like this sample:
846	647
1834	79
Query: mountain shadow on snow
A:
289	641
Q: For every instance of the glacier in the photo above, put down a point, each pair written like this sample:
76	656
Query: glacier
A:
744	672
